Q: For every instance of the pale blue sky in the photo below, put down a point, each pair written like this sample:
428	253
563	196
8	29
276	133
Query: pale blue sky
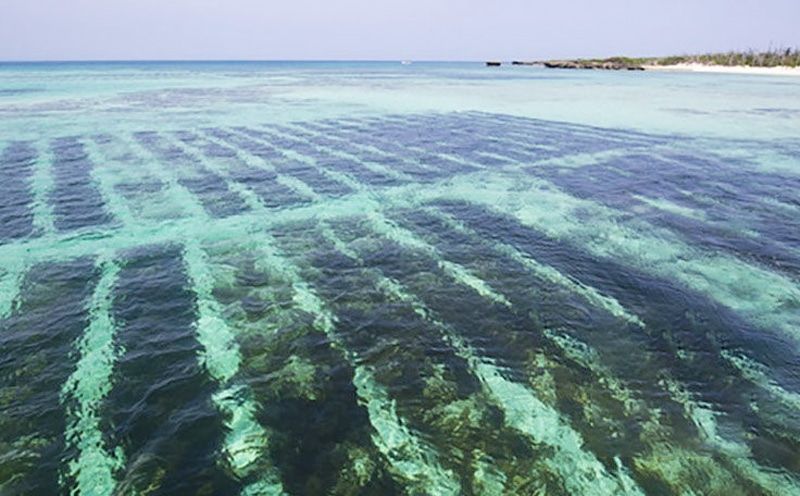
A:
388	30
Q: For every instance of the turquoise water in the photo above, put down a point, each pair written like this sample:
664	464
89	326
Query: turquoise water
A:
374	278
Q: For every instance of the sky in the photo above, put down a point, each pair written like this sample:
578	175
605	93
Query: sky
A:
388	30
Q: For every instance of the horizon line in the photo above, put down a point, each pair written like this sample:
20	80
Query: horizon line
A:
35	61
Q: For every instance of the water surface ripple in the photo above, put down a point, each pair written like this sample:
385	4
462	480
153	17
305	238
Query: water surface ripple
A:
243	284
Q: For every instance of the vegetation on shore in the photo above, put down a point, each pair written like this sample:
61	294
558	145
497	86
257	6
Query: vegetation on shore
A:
777	57
788	57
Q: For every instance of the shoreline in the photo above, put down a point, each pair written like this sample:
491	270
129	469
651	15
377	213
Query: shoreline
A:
724	69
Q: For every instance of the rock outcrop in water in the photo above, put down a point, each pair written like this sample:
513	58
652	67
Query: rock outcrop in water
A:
610	64
613	64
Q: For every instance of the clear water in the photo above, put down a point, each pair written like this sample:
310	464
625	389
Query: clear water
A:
375	278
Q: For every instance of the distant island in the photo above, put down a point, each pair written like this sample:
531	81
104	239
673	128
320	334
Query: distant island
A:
772	61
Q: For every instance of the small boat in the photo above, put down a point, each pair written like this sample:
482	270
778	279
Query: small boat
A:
405	62
493	63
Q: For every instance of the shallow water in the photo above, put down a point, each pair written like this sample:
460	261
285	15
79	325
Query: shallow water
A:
374	278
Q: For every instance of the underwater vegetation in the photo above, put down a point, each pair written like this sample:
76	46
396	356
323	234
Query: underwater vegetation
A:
431	303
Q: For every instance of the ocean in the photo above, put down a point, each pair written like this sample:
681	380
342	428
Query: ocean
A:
262	278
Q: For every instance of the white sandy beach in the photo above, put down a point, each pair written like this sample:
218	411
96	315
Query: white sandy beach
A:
739	69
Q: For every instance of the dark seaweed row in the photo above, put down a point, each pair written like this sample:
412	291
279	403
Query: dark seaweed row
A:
37	358
209	187
16	170
317	423
261	181
409	355
509	340
76	201
470	135
161	411
729	196
319	182
416	170
327	160
164	419
679	323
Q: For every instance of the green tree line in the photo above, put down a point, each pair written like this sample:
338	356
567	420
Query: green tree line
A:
771	58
